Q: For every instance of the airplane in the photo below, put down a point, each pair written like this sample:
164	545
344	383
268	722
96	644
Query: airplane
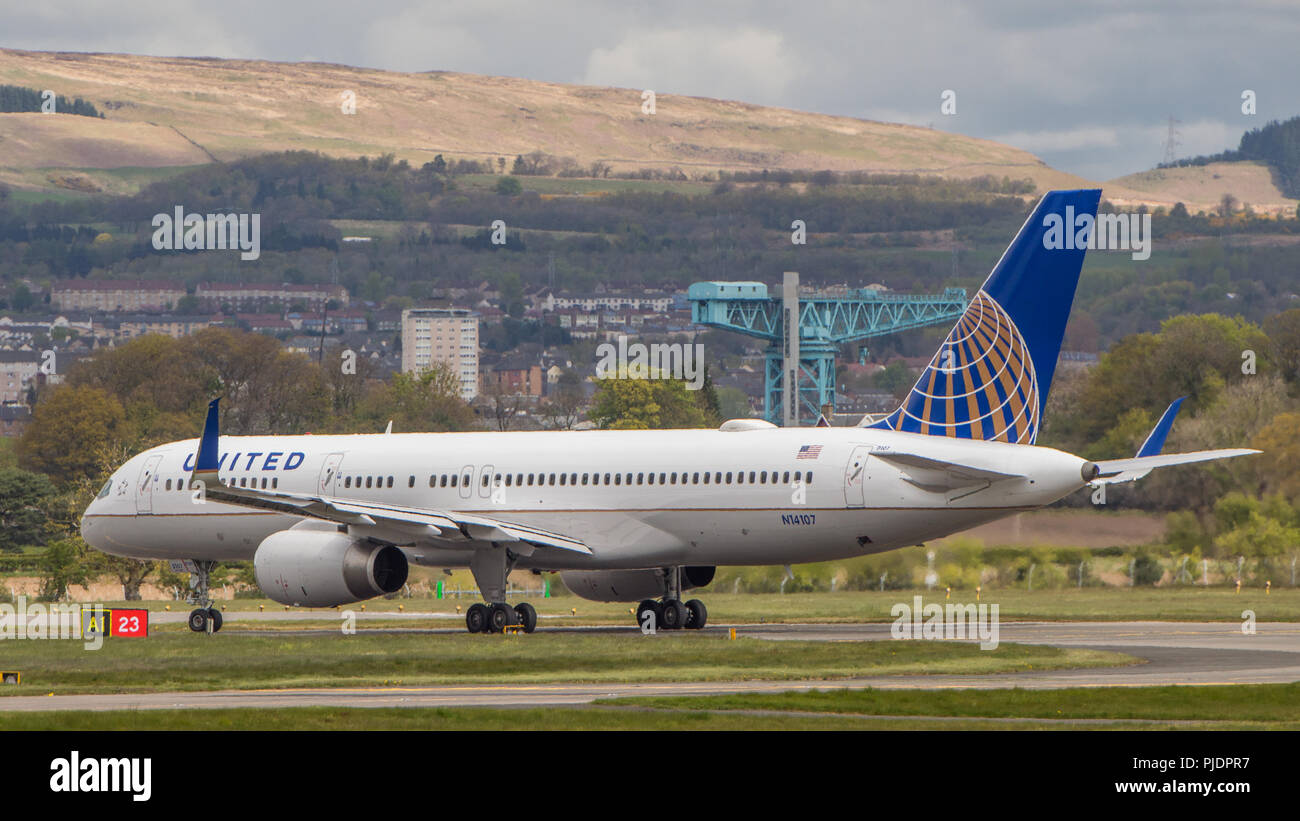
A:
638	516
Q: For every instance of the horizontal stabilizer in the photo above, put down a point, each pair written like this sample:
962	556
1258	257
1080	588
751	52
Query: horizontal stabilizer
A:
1113	471
940	476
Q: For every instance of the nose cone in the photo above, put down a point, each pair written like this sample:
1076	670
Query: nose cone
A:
91	520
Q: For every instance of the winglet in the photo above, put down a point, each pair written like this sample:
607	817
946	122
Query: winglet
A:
206	461
1155	441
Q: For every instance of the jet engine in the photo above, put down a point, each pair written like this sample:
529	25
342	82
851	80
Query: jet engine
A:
632	585
318	567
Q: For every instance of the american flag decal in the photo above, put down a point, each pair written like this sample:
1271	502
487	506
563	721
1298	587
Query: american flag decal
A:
809	452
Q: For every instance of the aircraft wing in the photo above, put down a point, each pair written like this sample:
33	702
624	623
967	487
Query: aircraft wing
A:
386	522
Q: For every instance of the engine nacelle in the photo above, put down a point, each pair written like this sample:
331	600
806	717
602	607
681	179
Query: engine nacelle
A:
319	567
632	585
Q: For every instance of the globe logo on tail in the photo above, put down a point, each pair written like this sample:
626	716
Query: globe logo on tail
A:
980	385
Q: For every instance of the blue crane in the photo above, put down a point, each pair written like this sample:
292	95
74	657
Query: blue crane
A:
825	323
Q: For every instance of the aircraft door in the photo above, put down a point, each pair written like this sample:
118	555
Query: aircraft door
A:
326	483
855	477
144	485
466	481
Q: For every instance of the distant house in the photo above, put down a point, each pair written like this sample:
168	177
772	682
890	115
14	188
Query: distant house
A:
18	370
13	419
115	295
240	296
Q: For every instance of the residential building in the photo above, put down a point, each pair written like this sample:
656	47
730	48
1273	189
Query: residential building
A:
115	295
448	335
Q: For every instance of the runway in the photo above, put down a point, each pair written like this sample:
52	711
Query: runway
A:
1170	653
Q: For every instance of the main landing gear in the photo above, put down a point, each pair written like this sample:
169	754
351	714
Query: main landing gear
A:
490	568
670	613
496	617
205	618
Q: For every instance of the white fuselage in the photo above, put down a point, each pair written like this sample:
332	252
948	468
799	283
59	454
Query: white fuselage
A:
640	498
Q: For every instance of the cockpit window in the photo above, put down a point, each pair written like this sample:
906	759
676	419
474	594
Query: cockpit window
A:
105	489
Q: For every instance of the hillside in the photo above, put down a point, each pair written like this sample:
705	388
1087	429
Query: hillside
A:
183	111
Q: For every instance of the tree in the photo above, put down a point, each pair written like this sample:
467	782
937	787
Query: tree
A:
1227	205
61	565
71	430
130	573
419	402
896	378
642	404
24	500
23	299
1280	443
509	186
562	410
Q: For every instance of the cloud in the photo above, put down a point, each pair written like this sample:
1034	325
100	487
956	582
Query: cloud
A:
746	63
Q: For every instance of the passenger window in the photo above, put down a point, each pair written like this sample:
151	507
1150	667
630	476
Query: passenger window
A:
807	478
390	481
263	483
607	478
695	479
275	482
584	478
347	481
519	479
785	478
169	484
728	477
618	478
706	477
509	476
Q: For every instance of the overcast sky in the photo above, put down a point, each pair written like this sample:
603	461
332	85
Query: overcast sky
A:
1087	86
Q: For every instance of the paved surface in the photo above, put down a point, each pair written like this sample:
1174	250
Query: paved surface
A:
1172	652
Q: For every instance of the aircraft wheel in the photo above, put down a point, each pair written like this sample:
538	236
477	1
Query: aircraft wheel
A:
198	621
214	615
476	619
672	616
527	616
697	615
500	616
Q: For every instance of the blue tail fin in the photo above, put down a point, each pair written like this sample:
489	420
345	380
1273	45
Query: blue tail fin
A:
990	378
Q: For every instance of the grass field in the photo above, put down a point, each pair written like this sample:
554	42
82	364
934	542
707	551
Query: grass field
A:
1066	604
1242	707
1262	703
556	718
186	661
